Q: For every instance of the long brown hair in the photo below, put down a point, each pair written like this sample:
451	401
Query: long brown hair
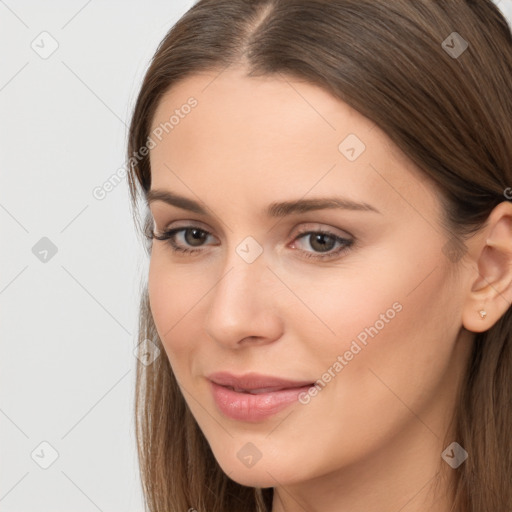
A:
451	114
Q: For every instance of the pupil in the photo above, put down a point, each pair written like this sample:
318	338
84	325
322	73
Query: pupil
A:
197	236
320	239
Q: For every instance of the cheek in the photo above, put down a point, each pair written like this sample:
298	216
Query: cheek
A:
162	294
175	296
389	321
409	358
390	365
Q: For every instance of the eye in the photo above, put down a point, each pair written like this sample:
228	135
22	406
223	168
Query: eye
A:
191	235
324	242
190	239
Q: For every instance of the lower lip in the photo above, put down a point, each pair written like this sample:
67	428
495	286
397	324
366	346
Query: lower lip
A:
248	407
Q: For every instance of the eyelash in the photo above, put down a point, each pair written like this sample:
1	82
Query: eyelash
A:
168	236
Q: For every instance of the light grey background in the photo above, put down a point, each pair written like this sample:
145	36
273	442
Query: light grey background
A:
68	326
69	322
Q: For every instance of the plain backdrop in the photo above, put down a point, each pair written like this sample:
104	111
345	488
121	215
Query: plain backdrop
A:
71	264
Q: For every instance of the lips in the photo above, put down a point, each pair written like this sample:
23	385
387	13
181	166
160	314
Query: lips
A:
254	391
254	383
253	397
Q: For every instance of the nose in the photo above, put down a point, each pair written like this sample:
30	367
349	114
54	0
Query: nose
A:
243	308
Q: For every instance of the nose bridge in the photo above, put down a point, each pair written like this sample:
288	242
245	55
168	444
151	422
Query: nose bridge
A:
239	282
244	267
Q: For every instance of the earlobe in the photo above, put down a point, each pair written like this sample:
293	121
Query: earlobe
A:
491	289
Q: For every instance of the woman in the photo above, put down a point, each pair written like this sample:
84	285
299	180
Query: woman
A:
326	185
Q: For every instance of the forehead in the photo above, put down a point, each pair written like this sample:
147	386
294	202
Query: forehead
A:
273	111
274	135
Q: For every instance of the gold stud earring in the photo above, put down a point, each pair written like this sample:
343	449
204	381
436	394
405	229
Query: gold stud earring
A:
483	314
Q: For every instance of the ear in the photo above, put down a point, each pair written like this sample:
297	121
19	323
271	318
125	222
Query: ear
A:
491	289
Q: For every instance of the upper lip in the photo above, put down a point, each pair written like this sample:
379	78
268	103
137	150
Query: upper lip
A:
253	381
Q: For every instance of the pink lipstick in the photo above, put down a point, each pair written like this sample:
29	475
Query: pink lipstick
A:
253	397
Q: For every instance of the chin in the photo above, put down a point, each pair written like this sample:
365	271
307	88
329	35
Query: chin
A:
257	479
264	473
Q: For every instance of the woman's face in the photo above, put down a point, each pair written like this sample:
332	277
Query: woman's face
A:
357	294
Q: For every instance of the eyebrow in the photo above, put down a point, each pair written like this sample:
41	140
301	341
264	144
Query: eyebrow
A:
277	209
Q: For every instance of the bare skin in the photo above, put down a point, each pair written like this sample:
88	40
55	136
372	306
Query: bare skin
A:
372	438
